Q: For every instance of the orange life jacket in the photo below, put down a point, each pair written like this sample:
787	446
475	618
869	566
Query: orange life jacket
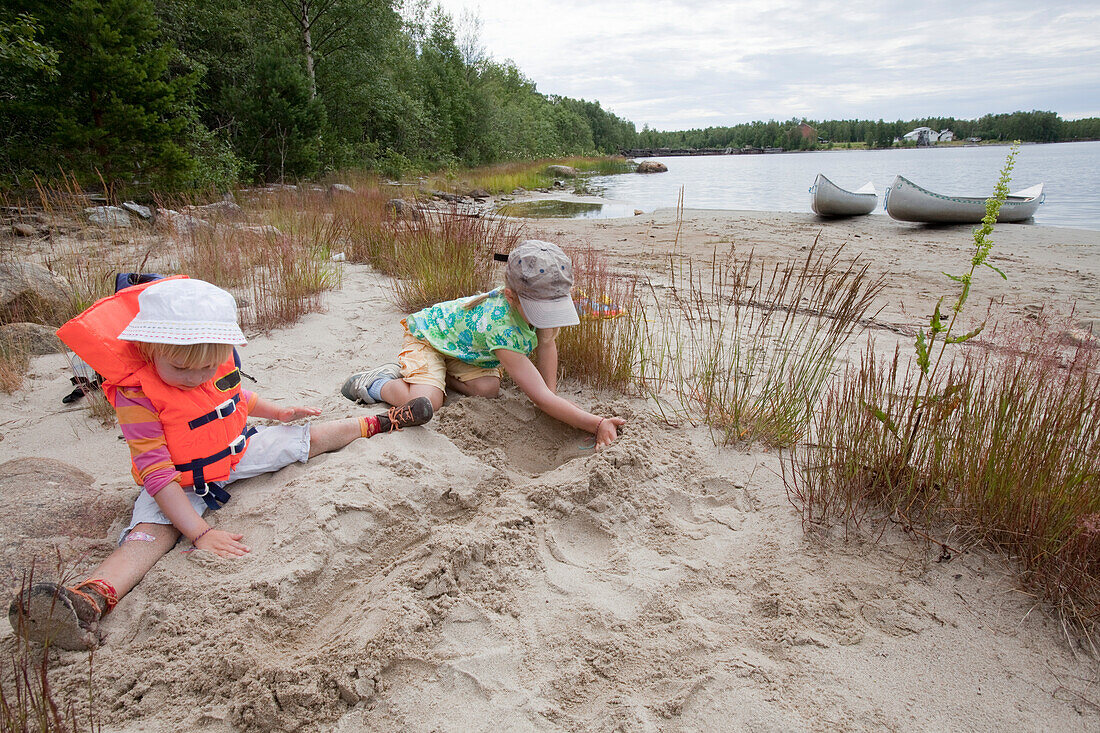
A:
205	427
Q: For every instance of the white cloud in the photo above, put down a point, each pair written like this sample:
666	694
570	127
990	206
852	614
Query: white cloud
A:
675	64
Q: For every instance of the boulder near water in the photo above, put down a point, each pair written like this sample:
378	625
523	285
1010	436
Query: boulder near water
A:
651	166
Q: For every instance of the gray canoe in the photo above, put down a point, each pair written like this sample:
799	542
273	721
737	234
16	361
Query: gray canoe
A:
829	199
906	201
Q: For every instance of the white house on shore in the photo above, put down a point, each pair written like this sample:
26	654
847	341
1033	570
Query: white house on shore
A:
928	135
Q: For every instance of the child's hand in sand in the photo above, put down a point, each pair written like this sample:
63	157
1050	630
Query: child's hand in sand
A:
222	543
608	431
289	414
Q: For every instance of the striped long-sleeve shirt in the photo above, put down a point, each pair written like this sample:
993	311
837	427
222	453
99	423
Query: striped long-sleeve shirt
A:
144	434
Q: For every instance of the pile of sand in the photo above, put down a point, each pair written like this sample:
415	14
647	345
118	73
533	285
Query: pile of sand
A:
491	571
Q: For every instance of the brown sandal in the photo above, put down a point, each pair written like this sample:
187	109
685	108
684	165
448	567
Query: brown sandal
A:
65	617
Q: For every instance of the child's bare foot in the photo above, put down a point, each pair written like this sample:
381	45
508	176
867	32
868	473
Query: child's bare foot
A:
64	617
416	411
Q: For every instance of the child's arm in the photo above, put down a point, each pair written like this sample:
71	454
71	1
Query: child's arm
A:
546	357
524	373
144	434
270	410
175	505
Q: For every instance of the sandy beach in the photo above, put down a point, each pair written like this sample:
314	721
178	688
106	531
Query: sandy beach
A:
490	572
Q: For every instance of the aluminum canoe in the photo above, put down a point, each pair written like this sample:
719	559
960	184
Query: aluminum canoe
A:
829	199
906	201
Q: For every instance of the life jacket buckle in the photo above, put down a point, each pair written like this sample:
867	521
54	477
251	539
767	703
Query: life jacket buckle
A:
237	446
225	409
213	494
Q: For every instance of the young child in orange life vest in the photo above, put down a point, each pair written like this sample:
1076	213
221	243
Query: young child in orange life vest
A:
166	353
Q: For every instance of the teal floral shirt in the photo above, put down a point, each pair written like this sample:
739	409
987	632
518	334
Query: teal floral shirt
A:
473	334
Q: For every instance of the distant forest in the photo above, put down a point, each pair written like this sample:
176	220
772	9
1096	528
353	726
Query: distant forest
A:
1039	127
189	94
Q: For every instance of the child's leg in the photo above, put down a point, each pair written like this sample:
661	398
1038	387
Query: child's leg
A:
144	546
68	617
424	374
329	436
474	381
398	392
477	387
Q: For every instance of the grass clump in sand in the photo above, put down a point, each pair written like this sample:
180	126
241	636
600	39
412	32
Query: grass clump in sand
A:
446	255
746	348
603	349
998	445
14	361
277	260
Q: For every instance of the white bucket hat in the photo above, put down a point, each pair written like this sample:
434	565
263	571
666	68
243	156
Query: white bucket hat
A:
542	276
184	311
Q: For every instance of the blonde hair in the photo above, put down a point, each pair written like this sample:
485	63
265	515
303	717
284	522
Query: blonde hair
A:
187	356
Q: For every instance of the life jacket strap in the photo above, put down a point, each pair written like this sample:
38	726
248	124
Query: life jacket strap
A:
211	491
220	412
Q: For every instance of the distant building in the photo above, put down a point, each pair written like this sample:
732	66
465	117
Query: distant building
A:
928	136
921	135
807	132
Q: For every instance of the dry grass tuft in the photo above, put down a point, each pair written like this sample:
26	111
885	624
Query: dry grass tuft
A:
14	362
747	348
998	444
1009	459
367	225
447	255
277	274
603	350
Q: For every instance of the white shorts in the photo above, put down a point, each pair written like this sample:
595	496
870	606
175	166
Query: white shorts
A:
271	448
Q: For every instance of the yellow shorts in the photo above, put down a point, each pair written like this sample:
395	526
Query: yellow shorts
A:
422	364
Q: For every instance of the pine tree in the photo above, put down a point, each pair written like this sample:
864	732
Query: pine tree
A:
115	110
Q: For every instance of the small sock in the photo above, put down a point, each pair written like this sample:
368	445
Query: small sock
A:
375	389
369	426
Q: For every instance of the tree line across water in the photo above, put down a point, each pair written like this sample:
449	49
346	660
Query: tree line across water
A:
186	94
1034	126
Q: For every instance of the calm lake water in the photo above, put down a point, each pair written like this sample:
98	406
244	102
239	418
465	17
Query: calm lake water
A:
1070	173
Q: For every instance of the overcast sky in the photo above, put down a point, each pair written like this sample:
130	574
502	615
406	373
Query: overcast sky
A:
680	64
